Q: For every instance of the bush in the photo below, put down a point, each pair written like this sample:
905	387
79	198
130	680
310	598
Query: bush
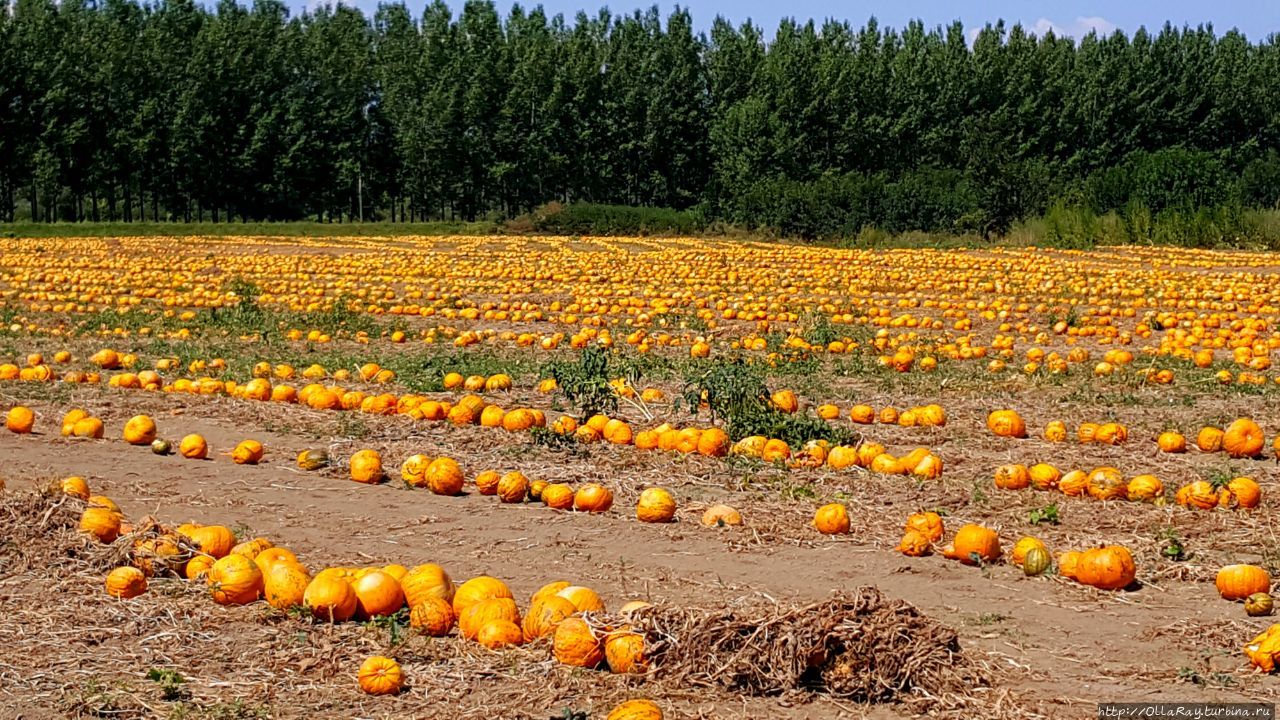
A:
591	219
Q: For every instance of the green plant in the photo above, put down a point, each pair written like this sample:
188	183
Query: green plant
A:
1047	515
170	682
585	382
394	624
570	714
1171	545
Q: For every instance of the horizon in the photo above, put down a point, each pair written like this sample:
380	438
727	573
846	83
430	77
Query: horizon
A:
1074	19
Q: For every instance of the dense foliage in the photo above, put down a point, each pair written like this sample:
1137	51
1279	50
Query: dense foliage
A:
118	111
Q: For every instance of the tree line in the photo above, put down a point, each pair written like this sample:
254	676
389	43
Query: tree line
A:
125	111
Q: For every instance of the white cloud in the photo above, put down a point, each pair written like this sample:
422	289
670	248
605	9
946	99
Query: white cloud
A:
1078	28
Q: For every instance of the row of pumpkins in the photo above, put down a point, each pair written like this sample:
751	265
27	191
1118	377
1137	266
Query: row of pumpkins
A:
1108	483
1242	438
482	609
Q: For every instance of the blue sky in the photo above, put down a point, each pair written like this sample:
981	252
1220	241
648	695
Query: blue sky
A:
1257	18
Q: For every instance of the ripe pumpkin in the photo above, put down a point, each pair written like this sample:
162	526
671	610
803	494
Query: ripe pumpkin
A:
380	676
1243	439
235	580
476	590
558	496
20	420
914	544
475	616
330	598
1198	494
656	505
583	598
1107	483
126	582
444	476
974	544
75	486
545	614
213	540
1209	439
624	652
928	524
1237	582
247	452
1055	431
193	447
499	633
1106	568
413	471
592	497
862	414
427	581
513	487
89	427
636	710
721	516
432	617
1044	476
366	467
1007	423
1144	487
576	644
713	442
832	519
1069	563
1172	442
252	548
1241	492
271	556
377	594
487	482
140	430
284	584
1012	477
102	523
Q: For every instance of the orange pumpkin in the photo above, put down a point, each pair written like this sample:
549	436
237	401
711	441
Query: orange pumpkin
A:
1012	477
126	582
377	594
974	544
1237	582
656	505
1209	439
330	598
831	519
284	584
235	580
575	643
1007	423
1106	568
624	652
380	676
592	497
1243	439
366	467
1172	442
433	617
928	524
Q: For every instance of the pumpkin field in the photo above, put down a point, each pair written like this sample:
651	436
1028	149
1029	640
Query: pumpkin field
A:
633	478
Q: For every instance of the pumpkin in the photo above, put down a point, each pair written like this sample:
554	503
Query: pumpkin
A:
330	598
785	400
69	420
102	523
1243	439
1241	492
433	616
831	519
775	451
1106	568
476	590
1007	423
914	544
1258	605
624	652
1087	432
1198	494
928	524
721	516
842	456
886	464
576	644
1144	487
827	411
90	427
1264	650
193	447
487	482
1069	563
862	414
655	505
1036	561
592	497
558	496
617	432
1172	442
366	467
74	486
413	471
271	556
126	582
499	633
1107	483
247	452
1237	582
380	676
160	446
252	548
888	416
636	710
545	614
928	468
198	566
444	477
1111	434
475	616
713	442
1055	431
1023	546
313	459
513	487
973	544
20	420
377	594
284	584
426	581
214	540
234	580
1209	439
1012	477
583	598
140	430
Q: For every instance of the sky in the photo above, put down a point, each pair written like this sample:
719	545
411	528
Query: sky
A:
1256	18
